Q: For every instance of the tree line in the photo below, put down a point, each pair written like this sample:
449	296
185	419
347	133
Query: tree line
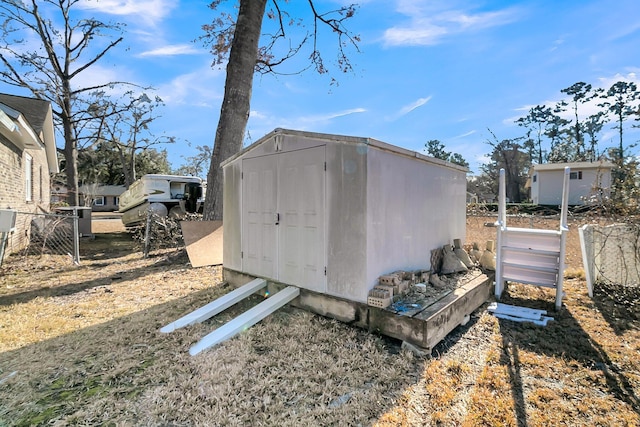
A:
568	131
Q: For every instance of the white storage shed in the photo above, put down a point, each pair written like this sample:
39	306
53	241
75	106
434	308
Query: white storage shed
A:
331	213
588	181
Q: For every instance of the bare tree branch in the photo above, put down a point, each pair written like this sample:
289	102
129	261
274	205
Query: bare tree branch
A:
49	69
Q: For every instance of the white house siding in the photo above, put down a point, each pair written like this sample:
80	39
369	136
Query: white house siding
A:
346	216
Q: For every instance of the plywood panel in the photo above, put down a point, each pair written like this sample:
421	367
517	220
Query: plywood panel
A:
203	240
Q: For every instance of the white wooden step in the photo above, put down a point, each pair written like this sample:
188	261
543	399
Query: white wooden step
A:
217	306
530	281
549	268
538	231
526	275
531	251
530	259
539	240
246	319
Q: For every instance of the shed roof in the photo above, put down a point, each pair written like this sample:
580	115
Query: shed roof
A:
573	165
349	140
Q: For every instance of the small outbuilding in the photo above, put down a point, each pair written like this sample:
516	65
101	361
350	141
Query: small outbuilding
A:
102	198
331	214
588	181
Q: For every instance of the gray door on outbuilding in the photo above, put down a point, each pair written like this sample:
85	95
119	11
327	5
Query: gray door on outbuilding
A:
283	234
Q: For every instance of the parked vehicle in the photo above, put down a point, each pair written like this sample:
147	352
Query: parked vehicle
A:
163	195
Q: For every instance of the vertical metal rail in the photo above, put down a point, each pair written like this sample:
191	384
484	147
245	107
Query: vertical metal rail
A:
76	237
3	244
147	234
564	229
501	224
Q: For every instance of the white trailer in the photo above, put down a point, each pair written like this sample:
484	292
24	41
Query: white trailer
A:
164	195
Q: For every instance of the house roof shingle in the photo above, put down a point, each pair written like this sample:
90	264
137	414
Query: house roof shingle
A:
34	110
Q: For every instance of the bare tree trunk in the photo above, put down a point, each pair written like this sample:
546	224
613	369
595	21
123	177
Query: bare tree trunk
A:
234	112
70	147
71	169
129	177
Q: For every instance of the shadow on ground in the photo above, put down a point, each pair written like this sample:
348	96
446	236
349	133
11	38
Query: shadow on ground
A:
102	251
563	338
294	368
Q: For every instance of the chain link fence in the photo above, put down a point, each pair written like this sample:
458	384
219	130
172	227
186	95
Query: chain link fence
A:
40	235
611	254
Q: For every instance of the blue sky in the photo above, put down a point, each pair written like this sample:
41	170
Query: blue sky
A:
427	69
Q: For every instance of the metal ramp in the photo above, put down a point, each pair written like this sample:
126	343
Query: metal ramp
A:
531	256
238	324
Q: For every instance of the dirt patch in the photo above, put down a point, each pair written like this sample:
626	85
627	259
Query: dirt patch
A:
113	225
81	345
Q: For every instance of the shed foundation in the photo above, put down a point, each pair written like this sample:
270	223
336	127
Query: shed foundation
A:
423	327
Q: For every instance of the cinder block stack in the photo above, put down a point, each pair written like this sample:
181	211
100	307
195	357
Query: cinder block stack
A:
393	284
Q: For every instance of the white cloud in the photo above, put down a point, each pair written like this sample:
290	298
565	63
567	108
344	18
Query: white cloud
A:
195	88
171	50
262	122
331	116
150	12
607	82
464	135
99	74
429	22
258	115
483	159
410	107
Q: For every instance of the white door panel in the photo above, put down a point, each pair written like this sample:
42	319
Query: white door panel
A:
301	195
259	237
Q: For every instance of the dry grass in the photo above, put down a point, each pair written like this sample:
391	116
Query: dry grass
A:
80	345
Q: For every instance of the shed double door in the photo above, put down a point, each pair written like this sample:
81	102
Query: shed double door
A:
283	230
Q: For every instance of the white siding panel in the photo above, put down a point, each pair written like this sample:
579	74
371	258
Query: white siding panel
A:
412	208
232	215
346	220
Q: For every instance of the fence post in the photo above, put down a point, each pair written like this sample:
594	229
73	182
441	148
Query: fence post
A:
3	243
147	234
76	237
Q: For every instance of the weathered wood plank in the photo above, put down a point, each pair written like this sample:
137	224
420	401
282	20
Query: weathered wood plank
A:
444	316
404	328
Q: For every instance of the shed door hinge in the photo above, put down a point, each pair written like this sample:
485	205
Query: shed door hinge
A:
241	254
325	271
325	166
